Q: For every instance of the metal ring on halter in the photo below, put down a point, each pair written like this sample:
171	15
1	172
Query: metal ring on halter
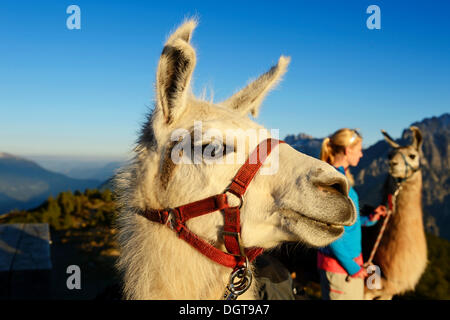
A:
245	280
171	218
241	197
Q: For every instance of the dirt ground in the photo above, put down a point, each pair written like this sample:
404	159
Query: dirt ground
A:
94	252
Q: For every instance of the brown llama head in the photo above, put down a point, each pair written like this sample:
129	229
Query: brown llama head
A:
404	160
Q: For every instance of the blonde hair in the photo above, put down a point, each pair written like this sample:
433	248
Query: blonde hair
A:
336	144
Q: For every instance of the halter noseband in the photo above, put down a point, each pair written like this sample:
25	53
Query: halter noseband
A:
407	166
399	182
175	218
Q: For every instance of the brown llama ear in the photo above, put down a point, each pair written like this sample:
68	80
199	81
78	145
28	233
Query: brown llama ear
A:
175	68
389	140
250	98
417	138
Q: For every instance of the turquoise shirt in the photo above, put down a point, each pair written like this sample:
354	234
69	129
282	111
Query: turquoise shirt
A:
348	246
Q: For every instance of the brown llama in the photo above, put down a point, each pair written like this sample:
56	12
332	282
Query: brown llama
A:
304	200
402	252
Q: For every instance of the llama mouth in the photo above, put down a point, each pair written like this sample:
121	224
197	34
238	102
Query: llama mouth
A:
297	218
322	226
395	173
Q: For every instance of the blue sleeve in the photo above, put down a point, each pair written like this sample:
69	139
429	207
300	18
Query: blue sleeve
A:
341	254
366	222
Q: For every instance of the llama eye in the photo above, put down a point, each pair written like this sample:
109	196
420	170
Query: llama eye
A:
211	150
215	150
412	156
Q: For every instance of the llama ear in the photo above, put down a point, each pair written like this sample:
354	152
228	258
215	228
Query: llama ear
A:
251	97
389	140
173	77
417	138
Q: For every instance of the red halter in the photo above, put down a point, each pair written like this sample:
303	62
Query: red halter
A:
177	217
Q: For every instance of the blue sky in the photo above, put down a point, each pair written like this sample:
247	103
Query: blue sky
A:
86	92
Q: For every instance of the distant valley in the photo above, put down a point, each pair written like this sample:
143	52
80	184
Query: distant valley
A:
24	184
79	167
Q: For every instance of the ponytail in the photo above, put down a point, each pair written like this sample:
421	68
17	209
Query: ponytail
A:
326	153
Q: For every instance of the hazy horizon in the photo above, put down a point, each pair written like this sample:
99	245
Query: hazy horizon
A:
104	159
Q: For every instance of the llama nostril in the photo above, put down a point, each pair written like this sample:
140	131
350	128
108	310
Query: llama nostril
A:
393	163
337	187
334	187
343	187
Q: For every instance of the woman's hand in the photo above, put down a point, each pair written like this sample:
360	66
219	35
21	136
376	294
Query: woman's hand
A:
380	211
362	273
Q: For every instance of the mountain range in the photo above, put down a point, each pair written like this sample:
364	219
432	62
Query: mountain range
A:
24	184
372	170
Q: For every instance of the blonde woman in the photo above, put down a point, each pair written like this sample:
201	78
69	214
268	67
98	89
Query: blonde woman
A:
340	263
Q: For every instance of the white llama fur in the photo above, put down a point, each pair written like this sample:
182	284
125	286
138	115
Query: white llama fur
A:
286	206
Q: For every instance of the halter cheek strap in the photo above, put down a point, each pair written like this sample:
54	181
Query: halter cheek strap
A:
175	218
407	167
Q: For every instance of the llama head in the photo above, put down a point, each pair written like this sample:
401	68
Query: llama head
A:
191	149
404	160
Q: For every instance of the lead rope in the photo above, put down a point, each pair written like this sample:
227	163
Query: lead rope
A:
391	210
